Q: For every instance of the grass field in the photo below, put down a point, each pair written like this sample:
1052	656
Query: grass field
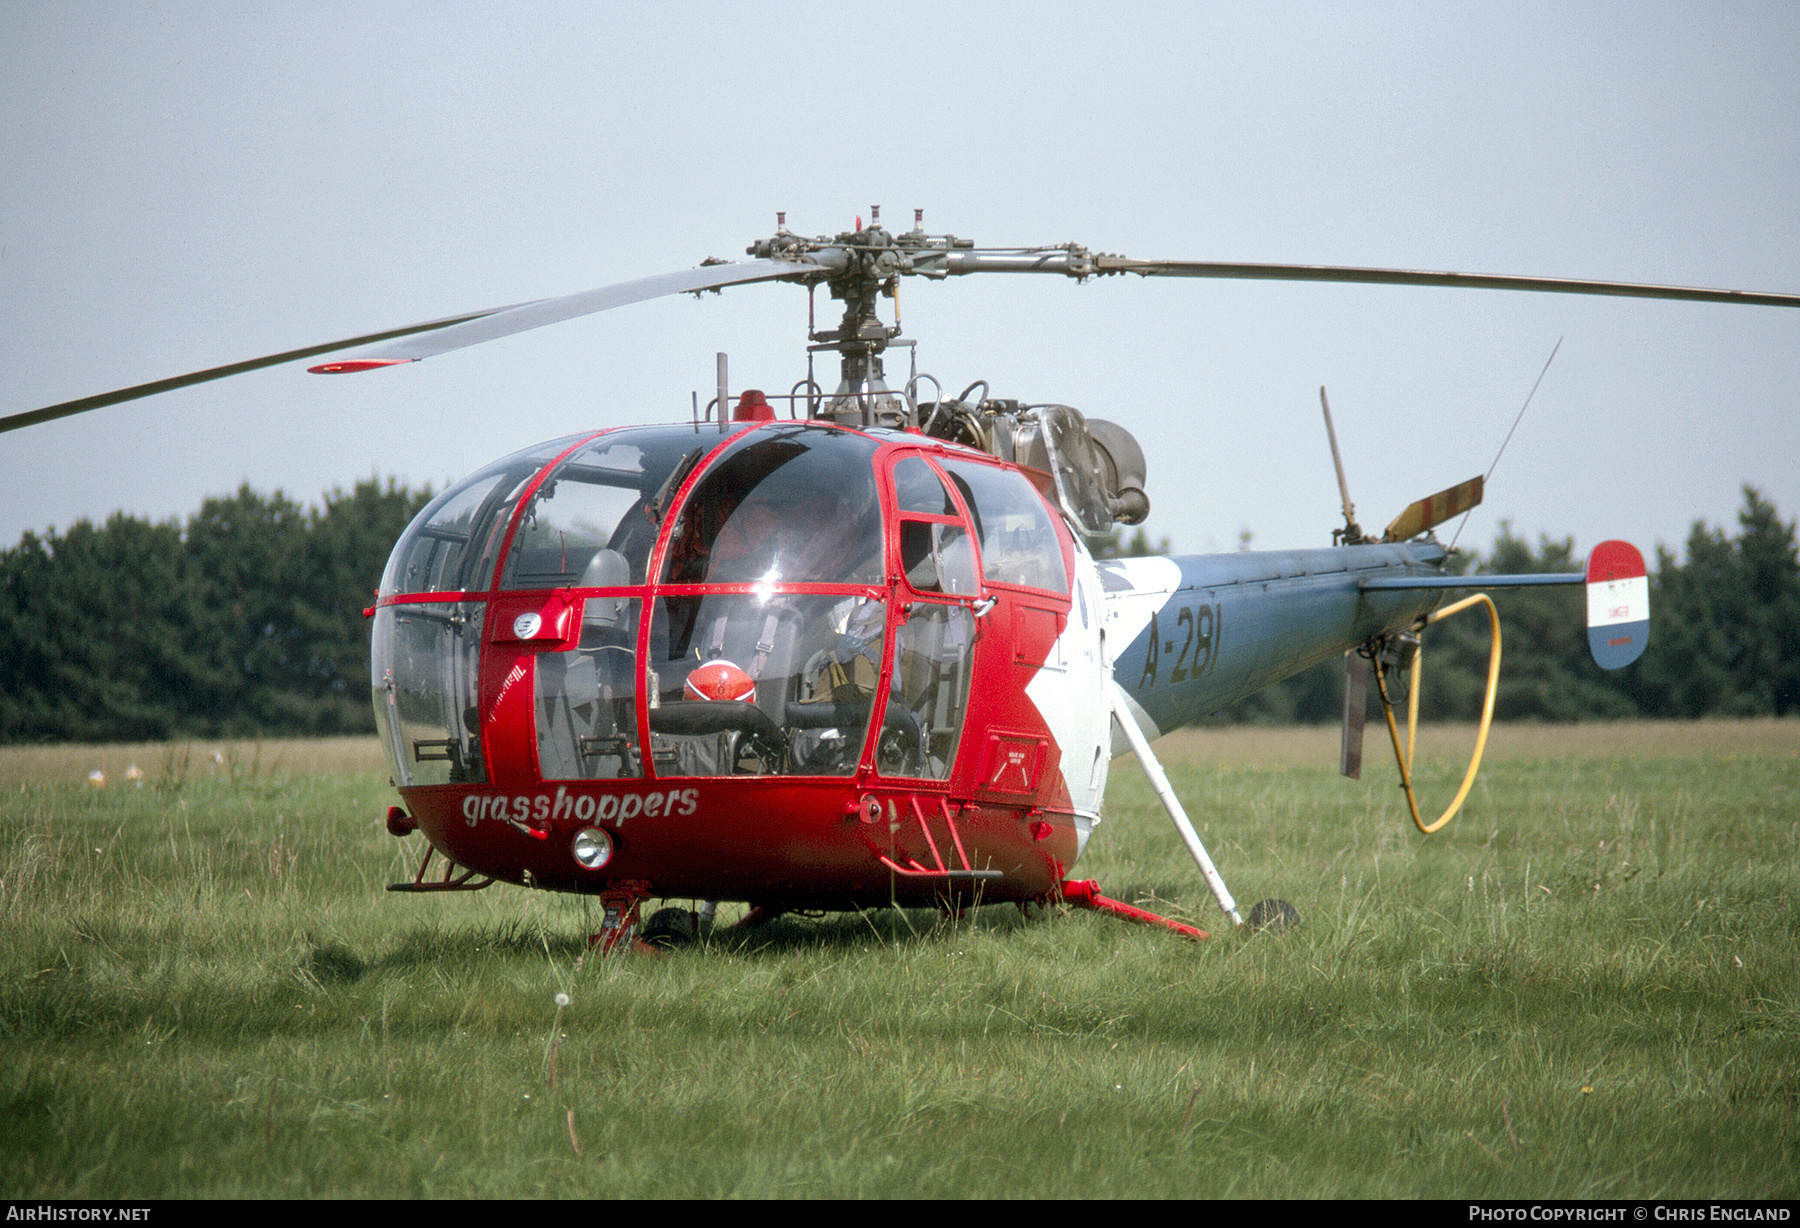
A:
1587	986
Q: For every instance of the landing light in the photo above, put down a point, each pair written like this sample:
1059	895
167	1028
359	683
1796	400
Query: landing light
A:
593	847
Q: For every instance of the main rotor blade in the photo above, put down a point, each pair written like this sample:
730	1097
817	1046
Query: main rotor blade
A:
1411	277
454	330
66	409
504	322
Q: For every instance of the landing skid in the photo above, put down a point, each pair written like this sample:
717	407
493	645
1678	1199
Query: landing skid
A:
1085	893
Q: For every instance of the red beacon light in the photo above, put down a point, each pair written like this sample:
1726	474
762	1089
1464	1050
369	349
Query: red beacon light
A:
752	406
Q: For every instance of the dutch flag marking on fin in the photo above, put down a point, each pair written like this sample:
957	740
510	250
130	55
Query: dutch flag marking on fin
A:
1618	601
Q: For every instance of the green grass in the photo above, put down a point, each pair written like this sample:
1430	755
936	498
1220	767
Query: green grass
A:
1586	986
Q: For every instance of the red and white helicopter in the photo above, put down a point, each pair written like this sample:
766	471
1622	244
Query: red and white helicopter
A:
834	650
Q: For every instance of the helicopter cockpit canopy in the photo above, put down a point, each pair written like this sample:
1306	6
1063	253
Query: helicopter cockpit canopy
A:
795	599
792	505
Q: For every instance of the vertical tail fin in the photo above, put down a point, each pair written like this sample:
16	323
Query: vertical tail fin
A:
1618	601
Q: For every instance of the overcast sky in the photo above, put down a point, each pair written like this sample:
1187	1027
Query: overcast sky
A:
190	184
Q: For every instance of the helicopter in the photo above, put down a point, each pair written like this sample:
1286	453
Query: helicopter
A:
833	650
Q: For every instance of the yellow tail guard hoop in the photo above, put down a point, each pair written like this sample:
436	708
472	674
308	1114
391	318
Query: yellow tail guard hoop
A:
1404	756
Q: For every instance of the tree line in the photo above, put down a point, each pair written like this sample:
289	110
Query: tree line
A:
248	621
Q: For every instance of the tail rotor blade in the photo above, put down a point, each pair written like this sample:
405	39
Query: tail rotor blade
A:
1433	510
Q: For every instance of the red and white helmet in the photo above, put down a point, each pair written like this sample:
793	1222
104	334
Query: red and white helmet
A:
721	680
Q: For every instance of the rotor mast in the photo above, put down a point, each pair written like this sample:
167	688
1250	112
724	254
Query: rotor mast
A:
871	269
858	266
861	265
